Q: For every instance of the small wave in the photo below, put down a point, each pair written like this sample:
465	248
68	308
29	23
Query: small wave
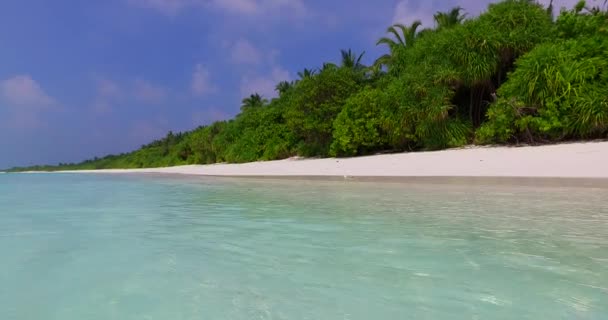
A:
28	234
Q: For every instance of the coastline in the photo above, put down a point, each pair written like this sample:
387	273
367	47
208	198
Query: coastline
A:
581	160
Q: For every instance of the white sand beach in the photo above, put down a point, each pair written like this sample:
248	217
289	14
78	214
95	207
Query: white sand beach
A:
573	160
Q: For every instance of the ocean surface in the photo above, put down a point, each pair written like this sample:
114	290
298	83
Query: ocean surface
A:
143	247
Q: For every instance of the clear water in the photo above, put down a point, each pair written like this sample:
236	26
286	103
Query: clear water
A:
128	247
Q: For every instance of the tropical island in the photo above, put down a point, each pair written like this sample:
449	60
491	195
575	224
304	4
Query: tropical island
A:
516	74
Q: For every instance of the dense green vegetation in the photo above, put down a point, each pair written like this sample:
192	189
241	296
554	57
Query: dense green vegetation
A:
514	74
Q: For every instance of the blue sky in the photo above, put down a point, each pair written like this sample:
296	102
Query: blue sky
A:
86	78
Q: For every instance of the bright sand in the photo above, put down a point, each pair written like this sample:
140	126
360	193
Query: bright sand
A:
574	160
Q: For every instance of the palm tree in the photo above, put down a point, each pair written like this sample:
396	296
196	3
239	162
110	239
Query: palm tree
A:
595	10
283	87
550	9
350	60
403	39
306	73
329	66
449	19
253	101
406	38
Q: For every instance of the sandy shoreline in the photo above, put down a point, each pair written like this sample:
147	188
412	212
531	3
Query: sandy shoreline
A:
574	160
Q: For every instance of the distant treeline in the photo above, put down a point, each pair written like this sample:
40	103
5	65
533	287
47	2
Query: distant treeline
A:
515	74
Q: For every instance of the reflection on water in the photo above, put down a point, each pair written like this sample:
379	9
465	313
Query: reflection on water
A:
111	247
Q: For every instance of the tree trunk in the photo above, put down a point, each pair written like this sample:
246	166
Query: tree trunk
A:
471	99
499	77
480	106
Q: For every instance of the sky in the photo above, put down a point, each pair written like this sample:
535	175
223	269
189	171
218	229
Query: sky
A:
80	79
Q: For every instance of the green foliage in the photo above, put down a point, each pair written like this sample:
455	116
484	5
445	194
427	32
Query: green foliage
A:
404	37
315	104
369	121
449	76
351	60
510	75
449	19
558	91
204	144
283	87
253	101
581	22
261	134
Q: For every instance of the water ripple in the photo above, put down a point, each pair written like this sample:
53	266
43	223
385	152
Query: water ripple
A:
149	248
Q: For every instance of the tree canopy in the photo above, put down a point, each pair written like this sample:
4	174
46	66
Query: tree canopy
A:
513	74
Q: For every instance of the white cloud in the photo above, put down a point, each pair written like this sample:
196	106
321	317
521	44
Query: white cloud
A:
22	90
144	131
264	85
108	89
243	52
407	11
101	106
209	115
242	7
108	94
250	7
25	120
569	4
26	101
147	92
238	6
167	7
201	81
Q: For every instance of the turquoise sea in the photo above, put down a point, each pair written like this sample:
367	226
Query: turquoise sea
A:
150	247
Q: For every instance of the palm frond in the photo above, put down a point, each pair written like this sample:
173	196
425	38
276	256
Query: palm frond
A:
392	29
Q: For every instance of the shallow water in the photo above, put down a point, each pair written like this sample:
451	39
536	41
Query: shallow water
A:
134	247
